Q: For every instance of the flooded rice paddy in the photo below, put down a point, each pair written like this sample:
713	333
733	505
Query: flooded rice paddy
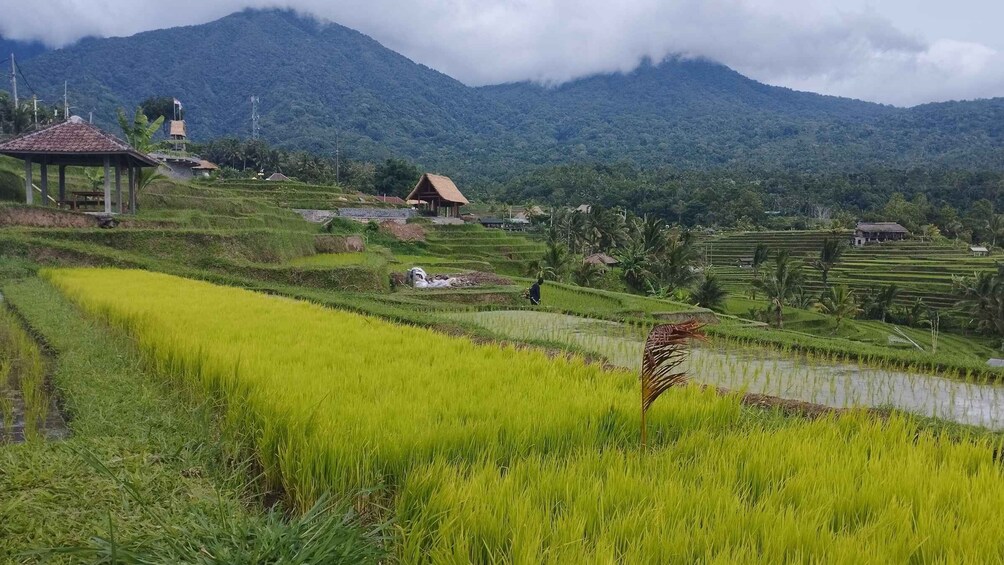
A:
797	377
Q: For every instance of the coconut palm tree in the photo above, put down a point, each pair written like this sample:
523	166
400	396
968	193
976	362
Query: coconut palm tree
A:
587	274
552	265
677	264
780	283
838	301
636	267
710	293
761	253
880	303
982	298
829	254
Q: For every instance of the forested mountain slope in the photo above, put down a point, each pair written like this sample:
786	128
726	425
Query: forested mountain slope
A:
322	82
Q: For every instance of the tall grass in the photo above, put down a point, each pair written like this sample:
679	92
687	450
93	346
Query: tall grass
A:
22	375
497	455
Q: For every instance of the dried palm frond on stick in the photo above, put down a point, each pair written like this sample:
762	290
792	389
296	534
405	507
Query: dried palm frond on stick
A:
665	350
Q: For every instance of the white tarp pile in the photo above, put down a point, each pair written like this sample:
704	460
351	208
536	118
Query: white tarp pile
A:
418	278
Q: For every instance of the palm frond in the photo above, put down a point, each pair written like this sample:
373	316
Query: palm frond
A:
665	350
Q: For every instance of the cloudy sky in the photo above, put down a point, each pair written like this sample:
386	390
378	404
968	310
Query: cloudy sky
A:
901	52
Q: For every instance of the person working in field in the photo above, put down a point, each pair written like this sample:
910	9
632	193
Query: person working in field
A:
534	293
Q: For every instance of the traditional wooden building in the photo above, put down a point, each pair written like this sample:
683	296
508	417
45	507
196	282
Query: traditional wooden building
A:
77	143
439	196
178	135
876	232
601	260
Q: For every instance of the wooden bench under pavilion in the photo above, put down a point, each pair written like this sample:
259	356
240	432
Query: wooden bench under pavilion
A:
76	143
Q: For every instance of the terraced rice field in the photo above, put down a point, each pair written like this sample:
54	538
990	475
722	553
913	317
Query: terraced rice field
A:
475	242
839	384
487	454
920	269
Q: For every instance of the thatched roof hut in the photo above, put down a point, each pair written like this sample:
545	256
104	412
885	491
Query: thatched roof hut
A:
439	193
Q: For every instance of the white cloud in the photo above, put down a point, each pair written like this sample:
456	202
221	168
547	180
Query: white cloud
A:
821	45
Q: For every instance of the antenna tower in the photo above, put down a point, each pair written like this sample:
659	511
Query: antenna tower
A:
255	118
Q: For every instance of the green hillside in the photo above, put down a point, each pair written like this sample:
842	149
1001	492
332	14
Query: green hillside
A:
321	81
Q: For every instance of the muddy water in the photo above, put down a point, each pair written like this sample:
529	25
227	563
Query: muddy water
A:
839	385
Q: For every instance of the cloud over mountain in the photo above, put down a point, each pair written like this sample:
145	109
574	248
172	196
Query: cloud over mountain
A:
819	45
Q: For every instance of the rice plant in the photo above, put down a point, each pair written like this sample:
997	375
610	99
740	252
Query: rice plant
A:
22	377
491	454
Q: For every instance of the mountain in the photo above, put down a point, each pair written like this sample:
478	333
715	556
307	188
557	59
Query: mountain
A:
22	50
319	83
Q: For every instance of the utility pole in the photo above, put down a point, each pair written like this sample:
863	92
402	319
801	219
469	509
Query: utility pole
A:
337	162
255	118
13	77
66	103
34	105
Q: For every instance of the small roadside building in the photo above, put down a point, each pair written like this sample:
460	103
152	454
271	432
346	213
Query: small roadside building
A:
76	143
439	194
878	232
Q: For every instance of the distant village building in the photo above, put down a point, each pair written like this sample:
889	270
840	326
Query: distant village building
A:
584	208
184	167
438	195
744	262
391	200
979	250
496	223
205	169
278	177
601	260
877	232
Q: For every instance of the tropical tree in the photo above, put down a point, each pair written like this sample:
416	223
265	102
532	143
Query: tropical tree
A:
604	229
780	283
587	274
552	265
995	227
982	299
829	254
710	293
838	301
395	177
761	253
636	267
879	303
676	266
140	131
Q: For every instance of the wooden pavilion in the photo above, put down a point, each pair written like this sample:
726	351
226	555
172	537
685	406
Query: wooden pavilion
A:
77	143
436	193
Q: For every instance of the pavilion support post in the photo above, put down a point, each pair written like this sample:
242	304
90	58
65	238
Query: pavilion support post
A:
118	187
62	185
108	186
44	167
29	195
132	190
